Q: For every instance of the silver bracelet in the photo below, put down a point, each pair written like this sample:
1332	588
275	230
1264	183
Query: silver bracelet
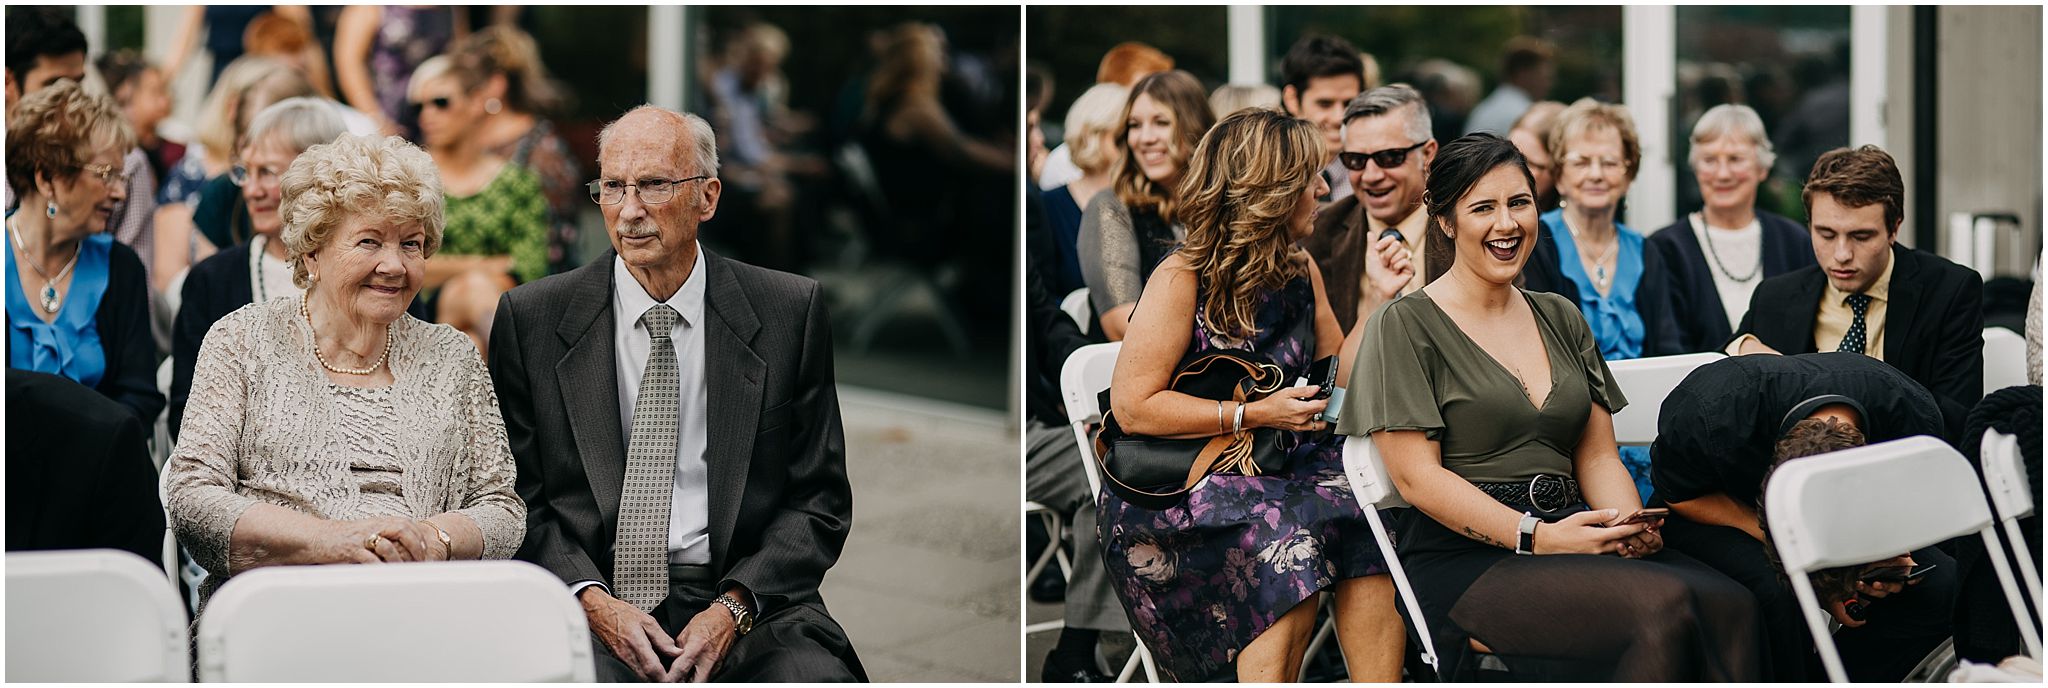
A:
1237	421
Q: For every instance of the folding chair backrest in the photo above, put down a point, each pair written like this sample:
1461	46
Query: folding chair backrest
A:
2012	498
469	621
92	615
1871	503
1076	306
1646	382
1085	375
2005	359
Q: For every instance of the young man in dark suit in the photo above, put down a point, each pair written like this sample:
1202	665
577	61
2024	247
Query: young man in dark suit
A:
677	430
1914	310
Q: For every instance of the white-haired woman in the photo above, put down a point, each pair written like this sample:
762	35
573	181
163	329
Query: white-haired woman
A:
332	427
1091	129
1717	256
256	271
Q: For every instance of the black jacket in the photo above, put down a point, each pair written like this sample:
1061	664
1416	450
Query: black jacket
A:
1696	306
1050	336
1934	325
130	349
78	472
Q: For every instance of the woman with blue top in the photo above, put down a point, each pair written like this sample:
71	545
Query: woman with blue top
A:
1588	256
79	302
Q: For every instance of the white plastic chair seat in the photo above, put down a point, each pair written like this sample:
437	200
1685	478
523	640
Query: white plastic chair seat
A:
1646	382
94	615
1870	503
490	621
2005	359
1076	306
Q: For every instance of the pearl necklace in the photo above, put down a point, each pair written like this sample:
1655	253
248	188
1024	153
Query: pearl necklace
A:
390	337
50	300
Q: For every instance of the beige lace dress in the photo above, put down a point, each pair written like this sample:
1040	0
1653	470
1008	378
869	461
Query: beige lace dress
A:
265	425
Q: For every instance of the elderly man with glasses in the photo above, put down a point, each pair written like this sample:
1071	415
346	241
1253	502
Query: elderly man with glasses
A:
1368	244
677	431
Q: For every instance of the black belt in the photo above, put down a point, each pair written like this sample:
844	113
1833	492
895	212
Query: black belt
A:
692	574
1549	496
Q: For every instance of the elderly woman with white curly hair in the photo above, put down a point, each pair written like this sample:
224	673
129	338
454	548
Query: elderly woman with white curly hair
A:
1717	256
332	427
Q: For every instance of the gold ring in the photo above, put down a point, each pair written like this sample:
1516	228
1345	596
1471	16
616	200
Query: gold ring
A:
370	543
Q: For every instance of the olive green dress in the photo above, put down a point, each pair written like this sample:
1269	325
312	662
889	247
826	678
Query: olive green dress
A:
1552	617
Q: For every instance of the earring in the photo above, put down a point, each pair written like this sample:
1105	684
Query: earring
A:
50	210
492	106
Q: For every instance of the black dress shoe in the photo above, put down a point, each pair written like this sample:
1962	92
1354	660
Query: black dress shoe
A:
1050	588
1061	668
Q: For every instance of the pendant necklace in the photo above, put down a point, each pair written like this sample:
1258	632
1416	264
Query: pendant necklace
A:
50	300
1601	280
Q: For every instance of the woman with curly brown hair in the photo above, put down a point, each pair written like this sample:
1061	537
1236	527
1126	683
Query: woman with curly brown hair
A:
1127	229
1228	578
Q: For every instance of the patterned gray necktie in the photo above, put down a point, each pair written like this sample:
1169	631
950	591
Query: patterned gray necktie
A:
640	554
1857	337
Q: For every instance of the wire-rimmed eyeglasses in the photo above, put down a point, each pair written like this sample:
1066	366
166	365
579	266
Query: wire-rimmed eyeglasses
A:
652	191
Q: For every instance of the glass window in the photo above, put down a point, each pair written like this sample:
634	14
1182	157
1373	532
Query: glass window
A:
1791	64
1071	40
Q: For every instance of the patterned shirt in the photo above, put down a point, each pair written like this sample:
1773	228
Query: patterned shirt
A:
509	216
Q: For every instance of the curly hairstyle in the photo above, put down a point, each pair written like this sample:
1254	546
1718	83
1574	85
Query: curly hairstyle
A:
1243	184
356	177
1181	94
1811	437
1588	114
52	132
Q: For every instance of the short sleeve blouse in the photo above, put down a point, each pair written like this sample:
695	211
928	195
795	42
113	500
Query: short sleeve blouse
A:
1417	371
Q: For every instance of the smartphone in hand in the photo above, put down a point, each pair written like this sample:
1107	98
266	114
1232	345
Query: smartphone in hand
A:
1322	374
1653	517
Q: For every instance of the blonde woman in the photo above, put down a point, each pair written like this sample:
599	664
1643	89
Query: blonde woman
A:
1128	229
332	428
1091	129
1228	578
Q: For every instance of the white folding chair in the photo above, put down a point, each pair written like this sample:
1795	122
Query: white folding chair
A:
1375	491
468	621
1870	503
2005	359
2012	498
1646	382
1076	306
1054	528
1085	374
92	615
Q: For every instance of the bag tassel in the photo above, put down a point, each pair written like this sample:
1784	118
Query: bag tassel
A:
1237	458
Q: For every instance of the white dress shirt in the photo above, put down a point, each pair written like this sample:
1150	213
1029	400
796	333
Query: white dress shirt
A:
689	515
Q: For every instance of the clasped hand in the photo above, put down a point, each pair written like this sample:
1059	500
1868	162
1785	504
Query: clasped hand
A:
1391	267
385	539
638	640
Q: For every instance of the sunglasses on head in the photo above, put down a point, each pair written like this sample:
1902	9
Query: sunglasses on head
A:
1387	159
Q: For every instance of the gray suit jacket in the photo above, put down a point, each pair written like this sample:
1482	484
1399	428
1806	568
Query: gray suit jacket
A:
779	500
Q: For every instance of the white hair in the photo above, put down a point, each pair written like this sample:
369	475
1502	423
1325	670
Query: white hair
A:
1740	120
703	142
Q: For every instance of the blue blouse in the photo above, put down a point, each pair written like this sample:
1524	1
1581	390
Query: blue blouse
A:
69	346
1617	325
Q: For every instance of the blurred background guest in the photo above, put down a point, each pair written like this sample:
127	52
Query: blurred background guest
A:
1588	256
376	50
1227	99
1526	74
259	270
746	91
225	30
1127	229
388	445
1717	256
1091	134
139	87
80	309
1528	134
1319	76
243	89
1123	65
496	214
286	33
519	100
1452	90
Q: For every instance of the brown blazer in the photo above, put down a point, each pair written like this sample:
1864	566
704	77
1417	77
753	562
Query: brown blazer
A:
1339	247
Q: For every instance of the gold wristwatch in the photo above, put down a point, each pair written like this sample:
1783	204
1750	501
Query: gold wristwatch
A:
742	619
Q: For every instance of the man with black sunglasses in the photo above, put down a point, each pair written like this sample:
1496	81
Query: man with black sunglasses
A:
1369	243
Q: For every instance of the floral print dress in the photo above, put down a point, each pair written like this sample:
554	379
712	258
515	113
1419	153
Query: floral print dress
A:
1201	579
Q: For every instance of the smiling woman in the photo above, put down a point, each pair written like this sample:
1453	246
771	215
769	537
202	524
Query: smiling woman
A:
339	404
1127	229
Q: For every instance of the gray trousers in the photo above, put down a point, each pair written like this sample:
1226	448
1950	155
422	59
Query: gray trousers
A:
1053	476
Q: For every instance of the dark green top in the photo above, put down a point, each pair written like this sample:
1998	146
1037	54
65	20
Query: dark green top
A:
1417	371
509	216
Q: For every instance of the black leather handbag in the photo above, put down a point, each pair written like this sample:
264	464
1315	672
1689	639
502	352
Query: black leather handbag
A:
1156	473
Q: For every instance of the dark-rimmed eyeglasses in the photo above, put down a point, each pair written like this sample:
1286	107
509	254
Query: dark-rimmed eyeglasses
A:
1387	159
652	191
